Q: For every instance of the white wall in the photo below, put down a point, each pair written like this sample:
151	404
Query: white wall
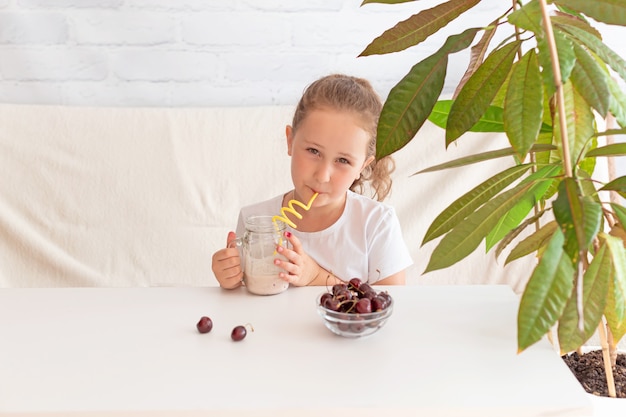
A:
199	52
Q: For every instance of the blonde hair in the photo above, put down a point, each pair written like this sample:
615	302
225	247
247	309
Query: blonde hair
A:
347	93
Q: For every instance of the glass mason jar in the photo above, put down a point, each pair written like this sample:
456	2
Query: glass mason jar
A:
258	252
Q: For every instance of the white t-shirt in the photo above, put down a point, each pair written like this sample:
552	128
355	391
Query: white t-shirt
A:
365	242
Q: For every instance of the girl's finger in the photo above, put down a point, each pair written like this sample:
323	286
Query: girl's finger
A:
295	242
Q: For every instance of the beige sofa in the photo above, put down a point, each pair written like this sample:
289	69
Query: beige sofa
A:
144	196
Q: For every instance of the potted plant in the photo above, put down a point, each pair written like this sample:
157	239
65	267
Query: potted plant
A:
548	85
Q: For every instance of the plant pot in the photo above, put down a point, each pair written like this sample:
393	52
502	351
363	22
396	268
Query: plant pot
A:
608	407
605	406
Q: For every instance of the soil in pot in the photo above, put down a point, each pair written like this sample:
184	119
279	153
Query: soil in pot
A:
589	370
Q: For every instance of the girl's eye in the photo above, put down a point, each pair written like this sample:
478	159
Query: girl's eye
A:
343	161
313	151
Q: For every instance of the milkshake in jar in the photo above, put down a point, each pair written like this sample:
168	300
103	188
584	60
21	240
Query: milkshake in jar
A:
263	234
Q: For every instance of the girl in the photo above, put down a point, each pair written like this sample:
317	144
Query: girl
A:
332	145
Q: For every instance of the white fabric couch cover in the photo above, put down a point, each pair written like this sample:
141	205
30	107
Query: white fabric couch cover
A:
144	196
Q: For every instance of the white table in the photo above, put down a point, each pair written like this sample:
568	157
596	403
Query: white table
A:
446	351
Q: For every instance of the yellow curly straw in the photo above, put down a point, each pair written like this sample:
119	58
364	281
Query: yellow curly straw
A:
290	209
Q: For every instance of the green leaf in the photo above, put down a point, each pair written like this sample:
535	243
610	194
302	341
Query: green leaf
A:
587	186
620	212
533	243
561	18
509	221
498	100
568	207
598	47
580	123
385	1
612	12
595	289
618	185
546	293
510	236
470	201
411	100
545	139
579	218
409	103
589	79
541	182
614	149
592	220
611	132
491	121
467	235
523	106
528	17
567	59
617	102
615	310
477	54
484	156
418	28
478	92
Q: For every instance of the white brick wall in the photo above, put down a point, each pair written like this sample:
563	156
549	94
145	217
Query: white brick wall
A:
201	52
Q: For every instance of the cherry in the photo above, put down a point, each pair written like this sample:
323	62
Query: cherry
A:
365	287
343	326
343	295
370	294
385	295
332	304
347	306
364	305
354	283
338	287
204	325
357	326
240	332
325	297
378	303
355	297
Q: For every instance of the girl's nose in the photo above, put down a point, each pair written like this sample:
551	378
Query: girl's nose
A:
323	173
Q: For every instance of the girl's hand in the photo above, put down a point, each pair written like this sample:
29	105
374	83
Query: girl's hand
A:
300	268
226	265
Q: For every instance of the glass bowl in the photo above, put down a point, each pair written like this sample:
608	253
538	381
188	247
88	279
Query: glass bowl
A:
354	324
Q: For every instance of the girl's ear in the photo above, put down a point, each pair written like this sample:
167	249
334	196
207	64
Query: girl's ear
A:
365	164
289	135
368	161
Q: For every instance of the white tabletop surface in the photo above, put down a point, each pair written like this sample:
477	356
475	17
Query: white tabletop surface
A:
446	351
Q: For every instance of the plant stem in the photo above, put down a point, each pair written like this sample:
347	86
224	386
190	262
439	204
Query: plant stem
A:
606	358
517	36
612	347
567	163
560	98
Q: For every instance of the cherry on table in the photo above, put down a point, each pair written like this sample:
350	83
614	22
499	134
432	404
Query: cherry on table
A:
240	332
204	325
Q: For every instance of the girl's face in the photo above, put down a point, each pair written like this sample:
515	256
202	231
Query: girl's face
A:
328	152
